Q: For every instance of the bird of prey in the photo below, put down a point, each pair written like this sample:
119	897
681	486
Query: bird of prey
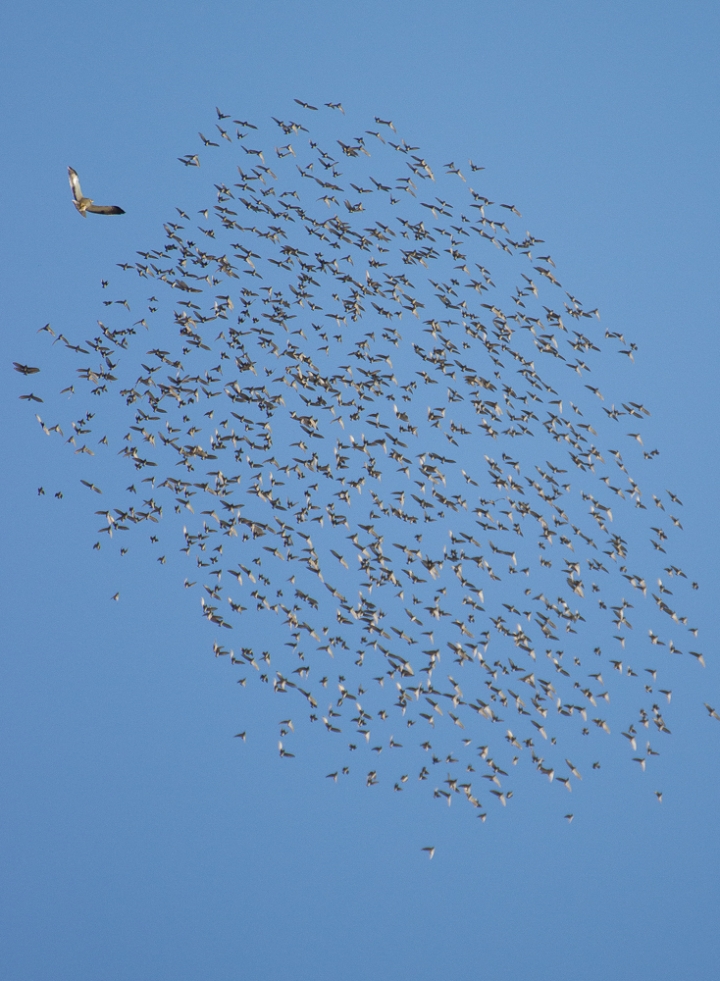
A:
84	204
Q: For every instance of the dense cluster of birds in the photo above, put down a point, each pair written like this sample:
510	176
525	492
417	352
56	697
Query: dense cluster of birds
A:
408	507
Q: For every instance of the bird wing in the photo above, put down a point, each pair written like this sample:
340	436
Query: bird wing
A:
105	209
75	184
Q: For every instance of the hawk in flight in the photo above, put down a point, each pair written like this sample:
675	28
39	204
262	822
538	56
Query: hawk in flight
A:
86	204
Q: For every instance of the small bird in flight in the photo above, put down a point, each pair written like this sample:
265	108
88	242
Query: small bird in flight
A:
86	204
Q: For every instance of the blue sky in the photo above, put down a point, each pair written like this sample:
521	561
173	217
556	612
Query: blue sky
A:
139	838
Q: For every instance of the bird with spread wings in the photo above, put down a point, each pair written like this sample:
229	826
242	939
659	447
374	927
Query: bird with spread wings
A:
84	204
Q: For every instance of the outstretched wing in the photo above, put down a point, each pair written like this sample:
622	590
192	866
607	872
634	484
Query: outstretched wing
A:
105	209
75	184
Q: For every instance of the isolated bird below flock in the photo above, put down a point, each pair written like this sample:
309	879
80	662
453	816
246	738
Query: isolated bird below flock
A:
84	204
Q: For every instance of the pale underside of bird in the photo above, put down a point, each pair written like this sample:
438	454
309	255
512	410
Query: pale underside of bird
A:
84	204
389	468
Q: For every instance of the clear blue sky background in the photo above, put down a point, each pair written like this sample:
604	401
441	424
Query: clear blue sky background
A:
138	839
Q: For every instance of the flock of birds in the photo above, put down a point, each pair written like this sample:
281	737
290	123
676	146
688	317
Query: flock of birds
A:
438	546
